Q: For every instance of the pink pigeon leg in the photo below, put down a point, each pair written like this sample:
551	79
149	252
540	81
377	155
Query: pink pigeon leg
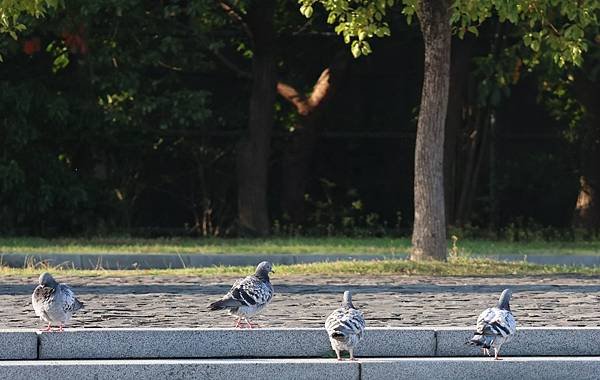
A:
49	328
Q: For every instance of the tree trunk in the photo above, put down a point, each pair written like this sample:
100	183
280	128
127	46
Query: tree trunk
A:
587	209
254	149
302	142
429	230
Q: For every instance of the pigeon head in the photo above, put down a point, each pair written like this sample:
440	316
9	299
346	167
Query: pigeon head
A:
46	279
263	269
347	301
503	302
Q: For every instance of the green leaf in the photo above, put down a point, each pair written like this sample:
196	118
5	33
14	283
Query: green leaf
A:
355	49
308	11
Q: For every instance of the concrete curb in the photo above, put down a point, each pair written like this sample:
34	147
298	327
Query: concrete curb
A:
547	368
529	341
18	345
181	369
283	342
225	343
364	369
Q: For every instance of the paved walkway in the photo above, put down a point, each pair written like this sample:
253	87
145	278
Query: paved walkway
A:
302	301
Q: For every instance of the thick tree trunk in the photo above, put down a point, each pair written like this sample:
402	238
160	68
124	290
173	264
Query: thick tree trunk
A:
254	149
587	209
429	230
302	142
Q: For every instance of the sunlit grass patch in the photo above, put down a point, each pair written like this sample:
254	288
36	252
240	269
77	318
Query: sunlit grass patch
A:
460	266
294	245
339	245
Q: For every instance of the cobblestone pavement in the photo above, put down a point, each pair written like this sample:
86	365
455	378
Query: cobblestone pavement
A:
301	301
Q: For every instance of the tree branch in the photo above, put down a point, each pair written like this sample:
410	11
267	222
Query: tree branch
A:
320	89
230	65
293	96
236	15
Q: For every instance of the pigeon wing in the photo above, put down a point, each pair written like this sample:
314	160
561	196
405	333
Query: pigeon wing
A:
496	322
345	322
251	291
40	297
70	302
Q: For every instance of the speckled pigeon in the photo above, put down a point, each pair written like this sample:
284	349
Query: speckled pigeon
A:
248	296
495	326
345	327
54	303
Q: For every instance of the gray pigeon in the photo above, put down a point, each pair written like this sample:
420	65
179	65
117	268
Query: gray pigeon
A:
53	302
345	327
248	296
495	326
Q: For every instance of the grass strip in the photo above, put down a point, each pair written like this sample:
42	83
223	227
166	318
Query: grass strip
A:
460	267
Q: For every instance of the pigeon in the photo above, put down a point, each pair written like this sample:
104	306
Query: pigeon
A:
248	296
495	326
345	327
54	302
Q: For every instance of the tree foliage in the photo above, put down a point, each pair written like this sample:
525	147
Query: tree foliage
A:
125	115
553	27
12	13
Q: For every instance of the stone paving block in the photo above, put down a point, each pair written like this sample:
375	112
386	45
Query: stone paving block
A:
546	368
181	369
18	344
528	341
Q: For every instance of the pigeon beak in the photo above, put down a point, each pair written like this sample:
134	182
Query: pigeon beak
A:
272	271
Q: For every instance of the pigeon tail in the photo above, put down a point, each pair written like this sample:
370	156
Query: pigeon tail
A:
227	303
78	305
337	335
480	340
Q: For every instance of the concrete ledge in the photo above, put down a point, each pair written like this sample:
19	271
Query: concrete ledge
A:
182	343
225	343
547	368
18	345
529	341
399	341
364	369
181	369
282	342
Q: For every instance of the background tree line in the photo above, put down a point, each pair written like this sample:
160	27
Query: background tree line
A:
246	118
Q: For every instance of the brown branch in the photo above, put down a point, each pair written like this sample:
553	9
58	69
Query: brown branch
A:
293	96
553	28
303	27
235	15
230	65
167	66
320	89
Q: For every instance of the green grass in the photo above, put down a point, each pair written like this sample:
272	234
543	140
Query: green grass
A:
214	246
454	267
342	245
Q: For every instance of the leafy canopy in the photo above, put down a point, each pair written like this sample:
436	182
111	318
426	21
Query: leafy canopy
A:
555	27
12	12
